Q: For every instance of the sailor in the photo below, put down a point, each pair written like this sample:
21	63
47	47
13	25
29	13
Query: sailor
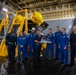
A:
31	42
73	45
38	43
11	45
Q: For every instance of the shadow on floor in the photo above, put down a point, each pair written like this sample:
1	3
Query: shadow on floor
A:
43	67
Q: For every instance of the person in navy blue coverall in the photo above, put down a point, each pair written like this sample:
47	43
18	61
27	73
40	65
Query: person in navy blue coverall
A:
64	40
31	42
21	41
57	38
50	46
73	46
26	45
11	45
38	43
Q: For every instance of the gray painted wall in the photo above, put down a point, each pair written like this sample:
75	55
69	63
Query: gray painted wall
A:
67	23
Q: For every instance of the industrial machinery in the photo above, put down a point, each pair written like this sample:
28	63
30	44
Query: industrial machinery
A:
20	20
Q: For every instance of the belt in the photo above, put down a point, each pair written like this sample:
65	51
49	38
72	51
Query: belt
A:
11	43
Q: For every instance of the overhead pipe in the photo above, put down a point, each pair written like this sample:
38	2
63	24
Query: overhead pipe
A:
15	4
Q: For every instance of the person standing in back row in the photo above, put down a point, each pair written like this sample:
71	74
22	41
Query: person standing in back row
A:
11	45
63	45
57	38
21	41
73	46
38	43
31	42
50	46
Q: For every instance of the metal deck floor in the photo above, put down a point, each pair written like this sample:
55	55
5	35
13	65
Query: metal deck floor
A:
43	67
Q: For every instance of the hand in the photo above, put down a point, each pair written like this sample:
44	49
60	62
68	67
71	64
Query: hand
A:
50	42
59	46
40	42
21	46
65	47
7	47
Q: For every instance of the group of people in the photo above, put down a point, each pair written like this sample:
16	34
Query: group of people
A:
32	43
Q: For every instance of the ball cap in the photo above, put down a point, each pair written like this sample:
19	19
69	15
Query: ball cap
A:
33	28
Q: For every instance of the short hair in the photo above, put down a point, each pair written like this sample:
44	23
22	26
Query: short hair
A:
57	26
38	30
50	28
64	28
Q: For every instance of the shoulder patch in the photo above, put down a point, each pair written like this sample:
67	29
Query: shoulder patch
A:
67	36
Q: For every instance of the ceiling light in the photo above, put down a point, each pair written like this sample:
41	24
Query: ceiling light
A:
4	9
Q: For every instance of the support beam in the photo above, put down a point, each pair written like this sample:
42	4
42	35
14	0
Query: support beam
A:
24	1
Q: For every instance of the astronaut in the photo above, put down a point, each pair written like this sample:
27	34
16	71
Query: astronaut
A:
50	45
64	40
21	41
26	45
57	38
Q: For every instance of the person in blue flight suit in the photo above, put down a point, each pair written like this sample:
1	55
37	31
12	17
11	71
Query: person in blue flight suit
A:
31	42
50	45
38	43
11	45
57	38
26	45
21	41
73	46
64	40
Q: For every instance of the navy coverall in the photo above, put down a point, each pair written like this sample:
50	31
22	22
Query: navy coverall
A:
57	39
64	40
21	41
73	47
38	47
11	44
31	43
26	46
50	47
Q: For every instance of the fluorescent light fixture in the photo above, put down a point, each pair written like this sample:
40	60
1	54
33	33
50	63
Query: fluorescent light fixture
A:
4	9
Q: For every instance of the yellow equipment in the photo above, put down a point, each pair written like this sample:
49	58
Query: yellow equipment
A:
22	20
36	17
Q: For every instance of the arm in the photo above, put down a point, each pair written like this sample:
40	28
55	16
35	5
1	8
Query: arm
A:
36	41
18	41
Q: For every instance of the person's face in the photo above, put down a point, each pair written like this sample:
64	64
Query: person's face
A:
21	33
74	28
24	32
50	31
63	30
58	28
12	30
32	31
38	32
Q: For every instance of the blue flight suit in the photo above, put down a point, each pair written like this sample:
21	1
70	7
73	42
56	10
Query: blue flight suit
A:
64	40
11	43
50	47
26	46
21	40
31	42
57	39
